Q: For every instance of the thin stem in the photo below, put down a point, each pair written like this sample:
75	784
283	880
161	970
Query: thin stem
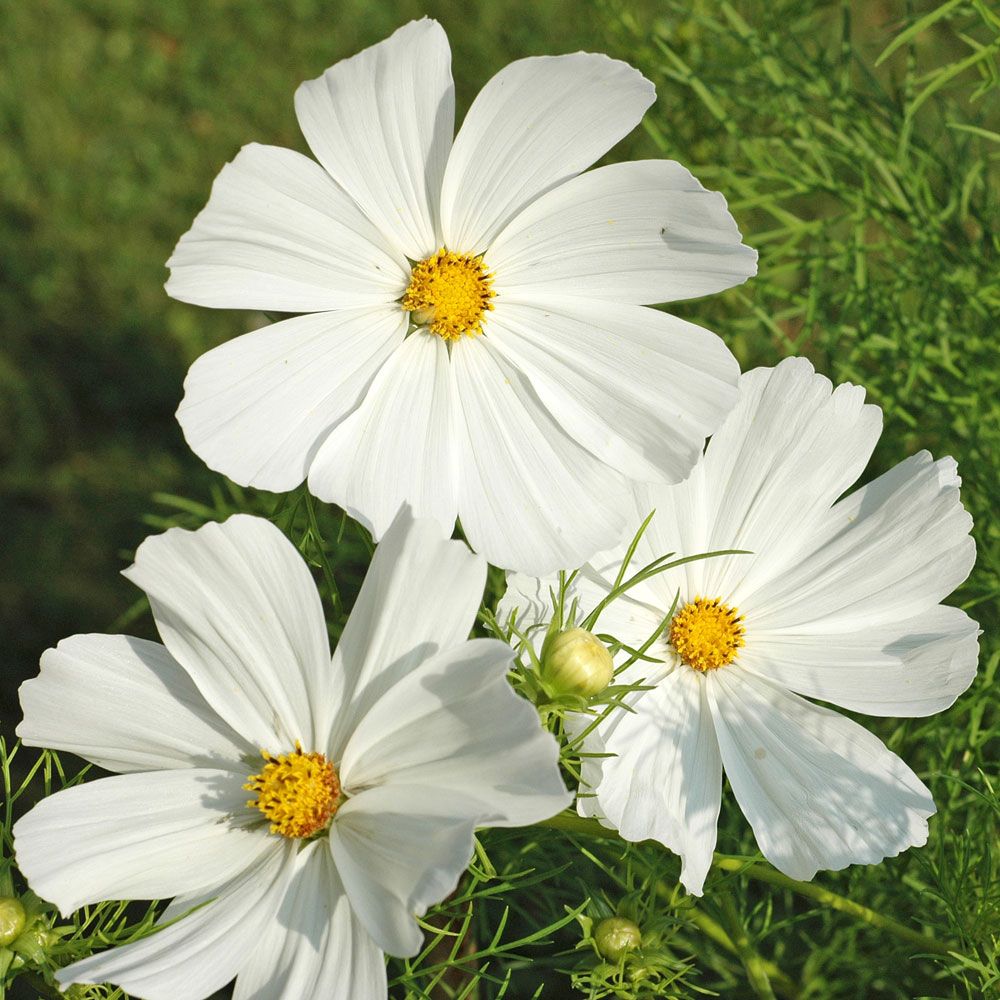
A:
765	873
783	983
331	582
756	972
761	871
579	824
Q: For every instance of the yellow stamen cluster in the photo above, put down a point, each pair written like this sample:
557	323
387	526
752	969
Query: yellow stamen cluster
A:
450	293
298	792
706	633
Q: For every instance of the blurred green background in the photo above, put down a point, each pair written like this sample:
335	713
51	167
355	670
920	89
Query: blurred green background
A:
858	145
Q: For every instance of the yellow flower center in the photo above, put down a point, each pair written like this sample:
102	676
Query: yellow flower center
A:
450	293
298	792
706	633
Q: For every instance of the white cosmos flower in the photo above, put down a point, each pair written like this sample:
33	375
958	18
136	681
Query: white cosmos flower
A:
317	806
839	601
475	339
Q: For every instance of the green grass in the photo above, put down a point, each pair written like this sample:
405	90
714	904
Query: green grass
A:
870	188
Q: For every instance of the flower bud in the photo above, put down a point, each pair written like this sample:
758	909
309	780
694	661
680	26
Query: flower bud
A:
577	662
12	919
614	936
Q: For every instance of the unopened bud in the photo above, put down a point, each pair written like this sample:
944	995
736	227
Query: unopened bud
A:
577	662
12	918
614	936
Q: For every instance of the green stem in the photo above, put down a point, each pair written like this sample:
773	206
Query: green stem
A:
761	871
756	972
765	873
569	823
331	582
783	983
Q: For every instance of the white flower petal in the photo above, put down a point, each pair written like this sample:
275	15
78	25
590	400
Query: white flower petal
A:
528	602
888	552
314	945
791	446
664	778
381	123
194	957
455	724
639	389
398	446
908	668
640	232
398	850
537	123
124	704
420	595
137	836
818	790
680	526
258	408
236	605
278	234
530	498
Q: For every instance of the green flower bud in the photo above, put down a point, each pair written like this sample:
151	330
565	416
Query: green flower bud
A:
577	662
12	919
614	936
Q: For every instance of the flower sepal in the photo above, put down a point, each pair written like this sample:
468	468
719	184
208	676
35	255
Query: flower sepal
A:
27	936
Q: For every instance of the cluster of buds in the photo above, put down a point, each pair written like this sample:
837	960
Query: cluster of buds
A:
625	950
